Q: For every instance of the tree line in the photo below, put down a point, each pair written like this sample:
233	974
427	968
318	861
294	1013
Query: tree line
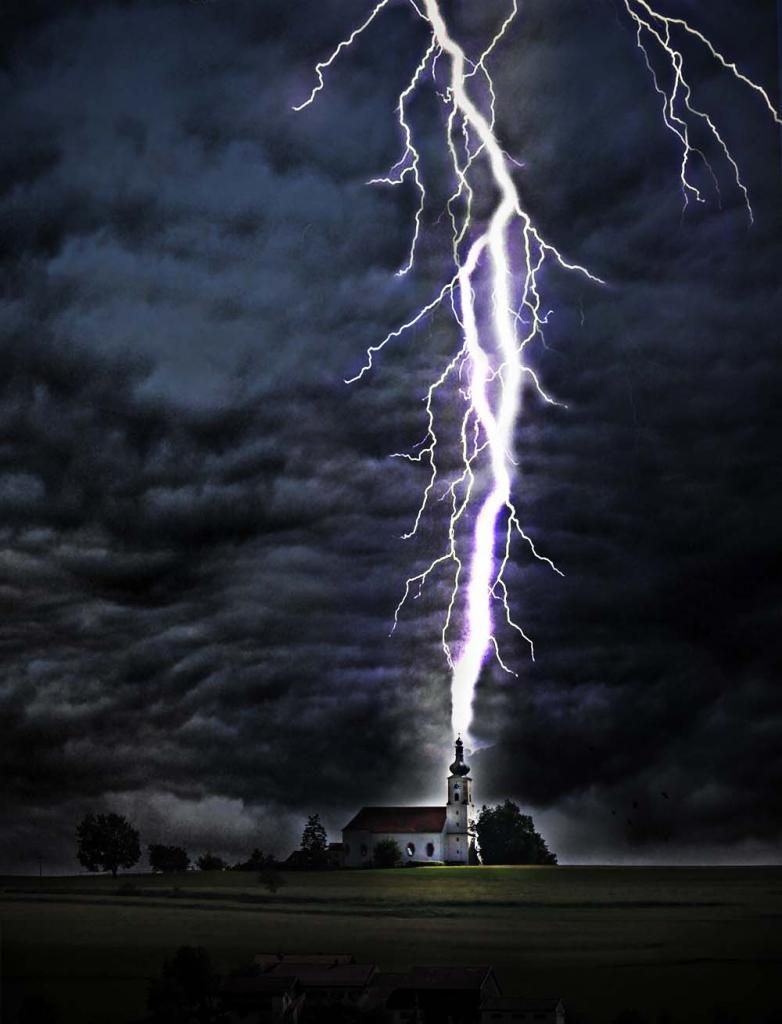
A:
108	842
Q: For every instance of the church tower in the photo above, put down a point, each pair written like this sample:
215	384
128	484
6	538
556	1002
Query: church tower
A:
458	810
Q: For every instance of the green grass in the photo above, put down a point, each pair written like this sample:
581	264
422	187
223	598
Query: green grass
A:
686	940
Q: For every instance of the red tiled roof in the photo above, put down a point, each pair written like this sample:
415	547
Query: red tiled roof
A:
398	819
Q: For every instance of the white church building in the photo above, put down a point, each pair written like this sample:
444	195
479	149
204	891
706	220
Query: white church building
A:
422	833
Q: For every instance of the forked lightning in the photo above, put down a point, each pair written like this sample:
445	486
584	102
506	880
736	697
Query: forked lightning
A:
496	264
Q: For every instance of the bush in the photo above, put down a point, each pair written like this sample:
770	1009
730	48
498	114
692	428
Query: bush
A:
386	854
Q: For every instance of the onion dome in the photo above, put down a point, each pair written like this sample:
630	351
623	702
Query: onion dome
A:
459	767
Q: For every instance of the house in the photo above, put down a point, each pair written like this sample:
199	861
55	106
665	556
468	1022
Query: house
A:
261	999
277	987
442	995
521	1010
326	984
423	834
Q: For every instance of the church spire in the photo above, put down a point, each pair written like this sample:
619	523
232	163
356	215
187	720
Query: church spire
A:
459	767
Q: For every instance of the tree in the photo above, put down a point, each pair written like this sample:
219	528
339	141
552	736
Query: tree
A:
257	861
187	991
107	842
168	860
506	836
211	862
271	878
386	854
314	841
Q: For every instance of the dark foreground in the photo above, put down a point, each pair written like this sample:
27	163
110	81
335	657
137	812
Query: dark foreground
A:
673	944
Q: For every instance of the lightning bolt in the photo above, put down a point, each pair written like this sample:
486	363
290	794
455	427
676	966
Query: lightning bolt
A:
494	294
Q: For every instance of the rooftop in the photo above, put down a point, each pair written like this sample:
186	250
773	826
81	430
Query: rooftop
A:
468	978
267	960
398	819
324	976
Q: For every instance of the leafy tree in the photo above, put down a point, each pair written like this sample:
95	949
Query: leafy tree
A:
168	859
107	842
314	841
271	878
187	991
506	836
211	862
386	854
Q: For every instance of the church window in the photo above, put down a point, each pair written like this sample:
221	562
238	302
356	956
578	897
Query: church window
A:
364	850
410	849
430	849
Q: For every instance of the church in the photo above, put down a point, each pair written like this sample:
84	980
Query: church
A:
422	833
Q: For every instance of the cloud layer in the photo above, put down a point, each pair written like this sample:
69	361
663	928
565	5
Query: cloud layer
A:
200	523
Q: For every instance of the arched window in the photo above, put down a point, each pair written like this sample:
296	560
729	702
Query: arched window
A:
430	849
364	850
410	849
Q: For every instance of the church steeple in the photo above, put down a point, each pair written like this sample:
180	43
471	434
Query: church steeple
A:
458	809
459	767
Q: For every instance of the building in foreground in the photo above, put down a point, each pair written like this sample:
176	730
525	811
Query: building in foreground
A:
424	834
295	988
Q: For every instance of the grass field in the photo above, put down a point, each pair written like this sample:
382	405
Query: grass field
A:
700	944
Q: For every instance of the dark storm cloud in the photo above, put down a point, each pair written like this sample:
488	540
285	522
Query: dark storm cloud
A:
658	491
200	522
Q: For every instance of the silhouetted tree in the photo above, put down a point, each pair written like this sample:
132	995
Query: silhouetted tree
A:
271	878
386	854
107	842
211	862
168	859
257	861
506	836
187	991
314	841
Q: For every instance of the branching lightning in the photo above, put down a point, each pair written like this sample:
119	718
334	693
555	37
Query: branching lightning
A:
496	268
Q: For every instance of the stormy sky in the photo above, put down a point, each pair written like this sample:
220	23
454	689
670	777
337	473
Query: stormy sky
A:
200	523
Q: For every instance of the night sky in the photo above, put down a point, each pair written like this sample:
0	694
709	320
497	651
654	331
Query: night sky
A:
200	523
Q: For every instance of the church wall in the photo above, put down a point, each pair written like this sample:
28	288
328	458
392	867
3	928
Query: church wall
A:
361	844
457	848
458	817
